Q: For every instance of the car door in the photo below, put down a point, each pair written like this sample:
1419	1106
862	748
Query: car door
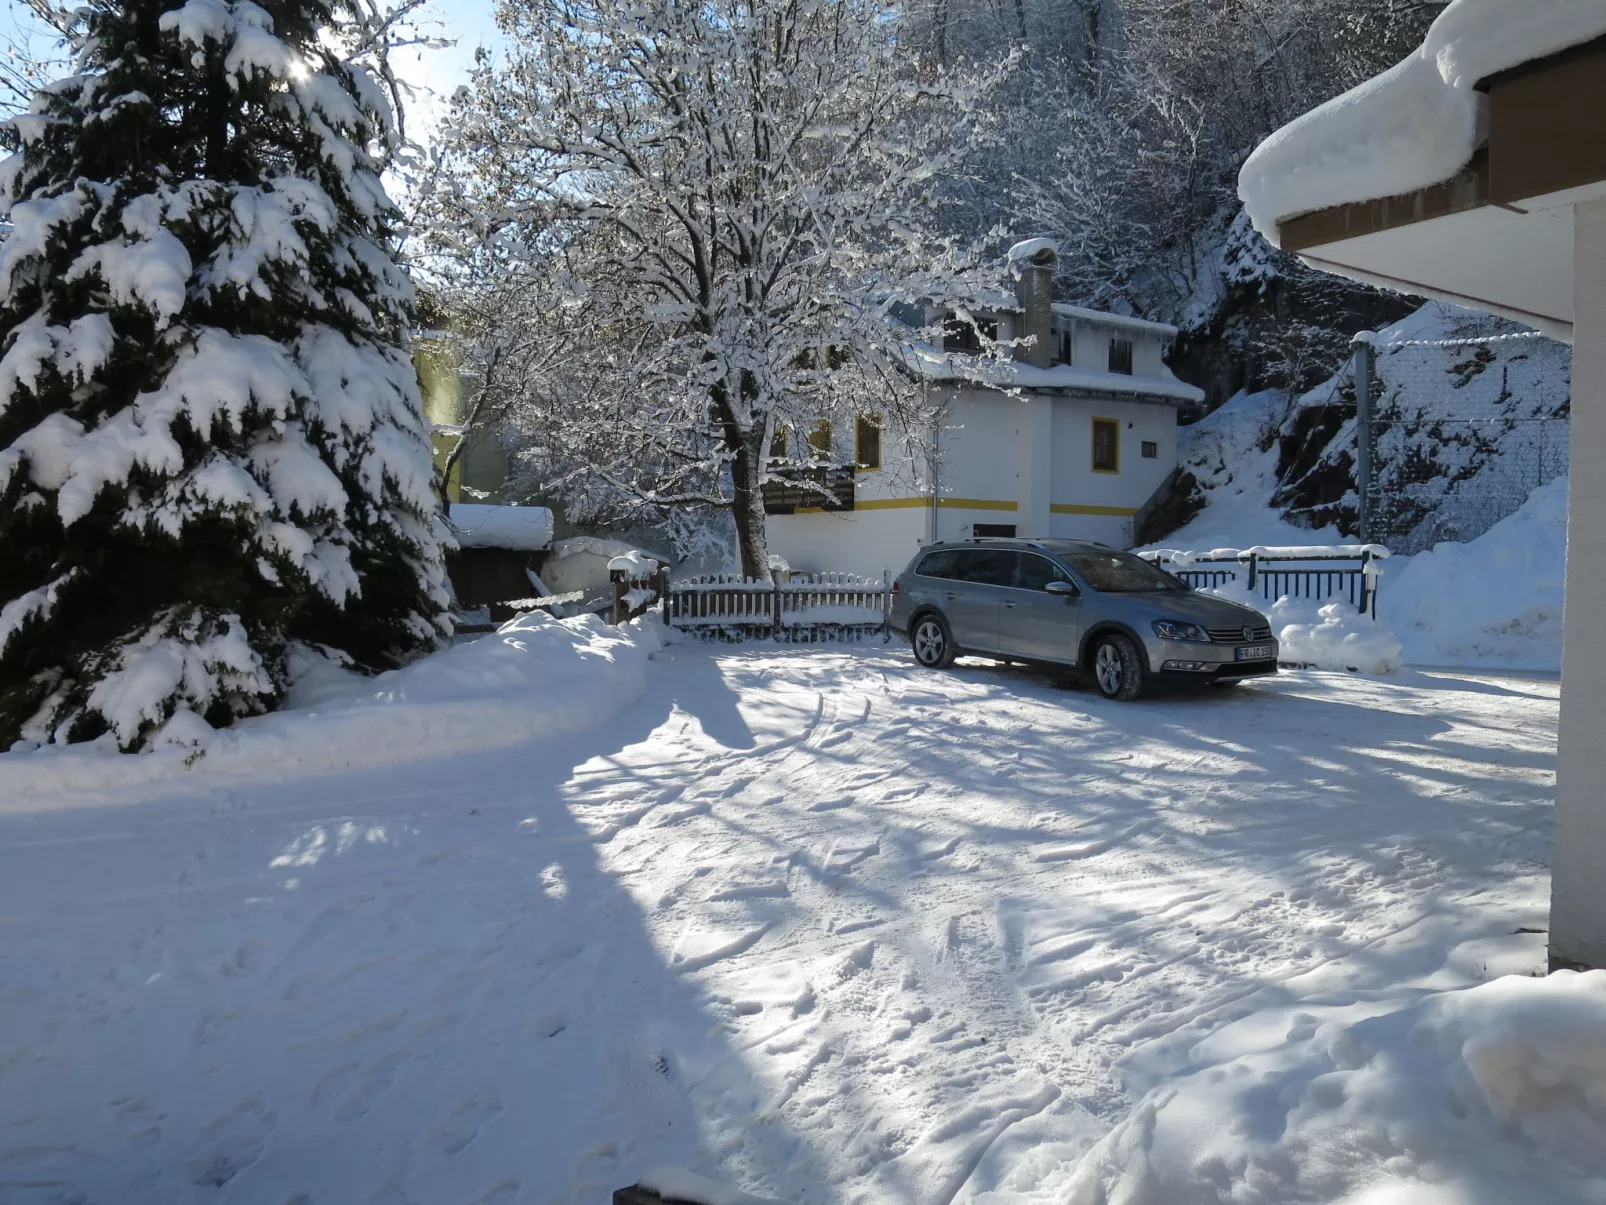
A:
1032	622
973	598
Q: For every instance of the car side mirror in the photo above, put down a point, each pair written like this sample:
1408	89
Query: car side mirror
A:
1064	589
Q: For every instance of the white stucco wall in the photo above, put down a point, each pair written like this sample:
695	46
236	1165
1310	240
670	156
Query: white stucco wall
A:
861	541
1578	884
1092	348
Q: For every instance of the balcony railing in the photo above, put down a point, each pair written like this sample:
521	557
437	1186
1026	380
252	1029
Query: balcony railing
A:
792	488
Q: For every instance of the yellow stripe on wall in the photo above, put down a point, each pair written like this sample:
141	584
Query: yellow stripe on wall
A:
944	503
890	503
1119	512
975	504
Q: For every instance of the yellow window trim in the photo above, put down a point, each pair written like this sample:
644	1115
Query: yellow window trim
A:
1093	451
1067	508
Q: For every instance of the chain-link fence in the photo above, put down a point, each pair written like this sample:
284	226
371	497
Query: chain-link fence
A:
1454	434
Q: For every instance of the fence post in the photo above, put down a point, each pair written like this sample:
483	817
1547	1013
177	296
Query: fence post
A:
1254	570
1365	444
620	586
886	606
663	593
775	603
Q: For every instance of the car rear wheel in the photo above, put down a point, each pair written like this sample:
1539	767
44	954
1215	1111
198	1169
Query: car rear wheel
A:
1117	672
933	644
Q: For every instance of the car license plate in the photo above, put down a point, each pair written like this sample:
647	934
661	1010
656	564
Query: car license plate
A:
1257	652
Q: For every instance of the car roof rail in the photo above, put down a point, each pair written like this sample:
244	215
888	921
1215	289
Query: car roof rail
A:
1030	543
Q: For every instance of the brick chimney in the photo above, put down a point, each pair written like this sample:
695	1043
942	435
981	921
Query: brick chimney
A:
1033	264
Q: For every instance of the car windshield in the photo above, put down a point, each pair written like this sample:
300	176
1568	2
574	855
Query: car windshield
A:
1121	573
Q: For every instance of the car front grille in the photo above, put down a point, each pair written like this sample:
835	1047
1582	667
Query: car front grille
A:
1258	633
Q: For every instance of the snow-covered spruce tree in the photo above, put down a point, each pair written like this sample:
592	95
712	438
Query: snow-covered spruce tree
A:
711	208
211	444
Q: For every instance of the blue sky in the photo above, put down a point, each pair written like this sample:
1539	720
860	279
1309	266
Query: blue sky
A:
469	22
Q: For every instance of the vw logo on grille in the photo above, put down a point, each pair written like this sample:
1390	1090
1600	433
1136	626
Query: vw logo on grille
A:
1249	633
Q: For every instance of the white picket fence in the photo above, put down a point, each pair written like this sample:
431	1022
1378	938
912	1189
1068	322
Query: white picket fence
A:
822	606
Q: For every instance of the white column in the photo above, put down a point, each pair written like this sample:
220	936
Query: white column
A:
1578	884
1038	431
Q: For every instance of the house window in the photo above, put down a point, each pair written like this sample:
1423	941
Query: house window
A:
820	440
960	334
1121	356
778	444
1151	450
993	531
867	442
1067	347
1106	445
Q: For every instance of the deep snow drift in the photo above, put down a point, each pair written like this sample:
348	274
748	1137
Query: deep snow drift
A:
535	677
817	925
1494	601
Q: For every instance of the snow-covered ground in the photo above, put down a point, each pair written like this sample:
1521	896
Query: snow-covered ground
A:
814	923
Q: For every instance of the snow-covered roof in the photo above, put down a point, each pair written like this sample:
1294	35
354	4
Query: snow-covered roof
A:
1100	318
520	528
935	365
1418	123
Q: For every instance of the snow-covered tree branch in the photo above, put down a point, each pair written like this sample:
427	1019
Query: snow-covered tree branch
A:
709	212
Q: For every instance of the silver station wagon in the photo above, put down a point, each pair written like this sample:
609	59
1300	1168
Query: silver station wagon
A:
1075	603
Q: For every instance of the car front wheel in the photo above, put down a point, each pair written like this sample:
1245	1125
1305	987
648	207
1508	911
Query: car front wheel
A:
1116	668
934	647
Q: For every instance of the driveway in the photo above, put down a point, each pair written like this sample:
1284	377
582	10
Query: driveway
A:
810	920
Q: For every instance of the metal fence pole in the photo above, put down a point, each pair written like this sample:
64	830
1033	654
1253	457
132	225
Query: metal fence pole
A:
1365	435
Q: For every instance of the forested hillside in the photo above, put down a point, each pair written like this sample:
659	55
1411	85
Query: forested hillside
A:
1120	132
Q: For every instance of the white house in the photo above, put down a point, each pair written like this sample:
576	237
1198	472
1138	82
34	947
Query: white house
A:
1074	437
1475	171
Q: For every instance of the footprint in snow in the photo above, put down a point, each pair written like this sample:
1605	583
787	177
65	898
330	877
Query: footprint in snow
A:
463	1125
231	1143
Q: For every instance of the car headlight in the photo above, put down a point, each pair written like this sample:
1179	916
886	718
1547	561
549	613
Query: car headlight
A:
1176	629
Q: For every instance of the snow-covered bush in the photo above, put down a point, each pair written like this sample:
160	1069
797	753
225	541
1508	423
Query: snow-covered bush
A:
211	442
1320	635
1339	638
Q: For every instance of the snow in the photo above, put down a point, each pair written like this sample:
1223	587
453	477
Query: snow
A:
153	271
520	528
1029	248
536	676
1322	635
30	605
1491	1093
1415	125
192	668
1340	638
1494	601
936	365
1121	321
635	565
537	916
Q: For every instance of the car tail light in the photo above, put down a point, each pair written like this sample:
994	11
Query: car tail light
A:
897	587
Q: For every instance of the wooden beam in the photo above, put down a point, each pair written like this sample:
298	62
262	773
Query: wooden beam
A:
1546	130
1467	190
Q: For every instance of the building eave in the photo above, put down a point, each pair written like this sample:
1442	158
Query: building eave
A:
1497	235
